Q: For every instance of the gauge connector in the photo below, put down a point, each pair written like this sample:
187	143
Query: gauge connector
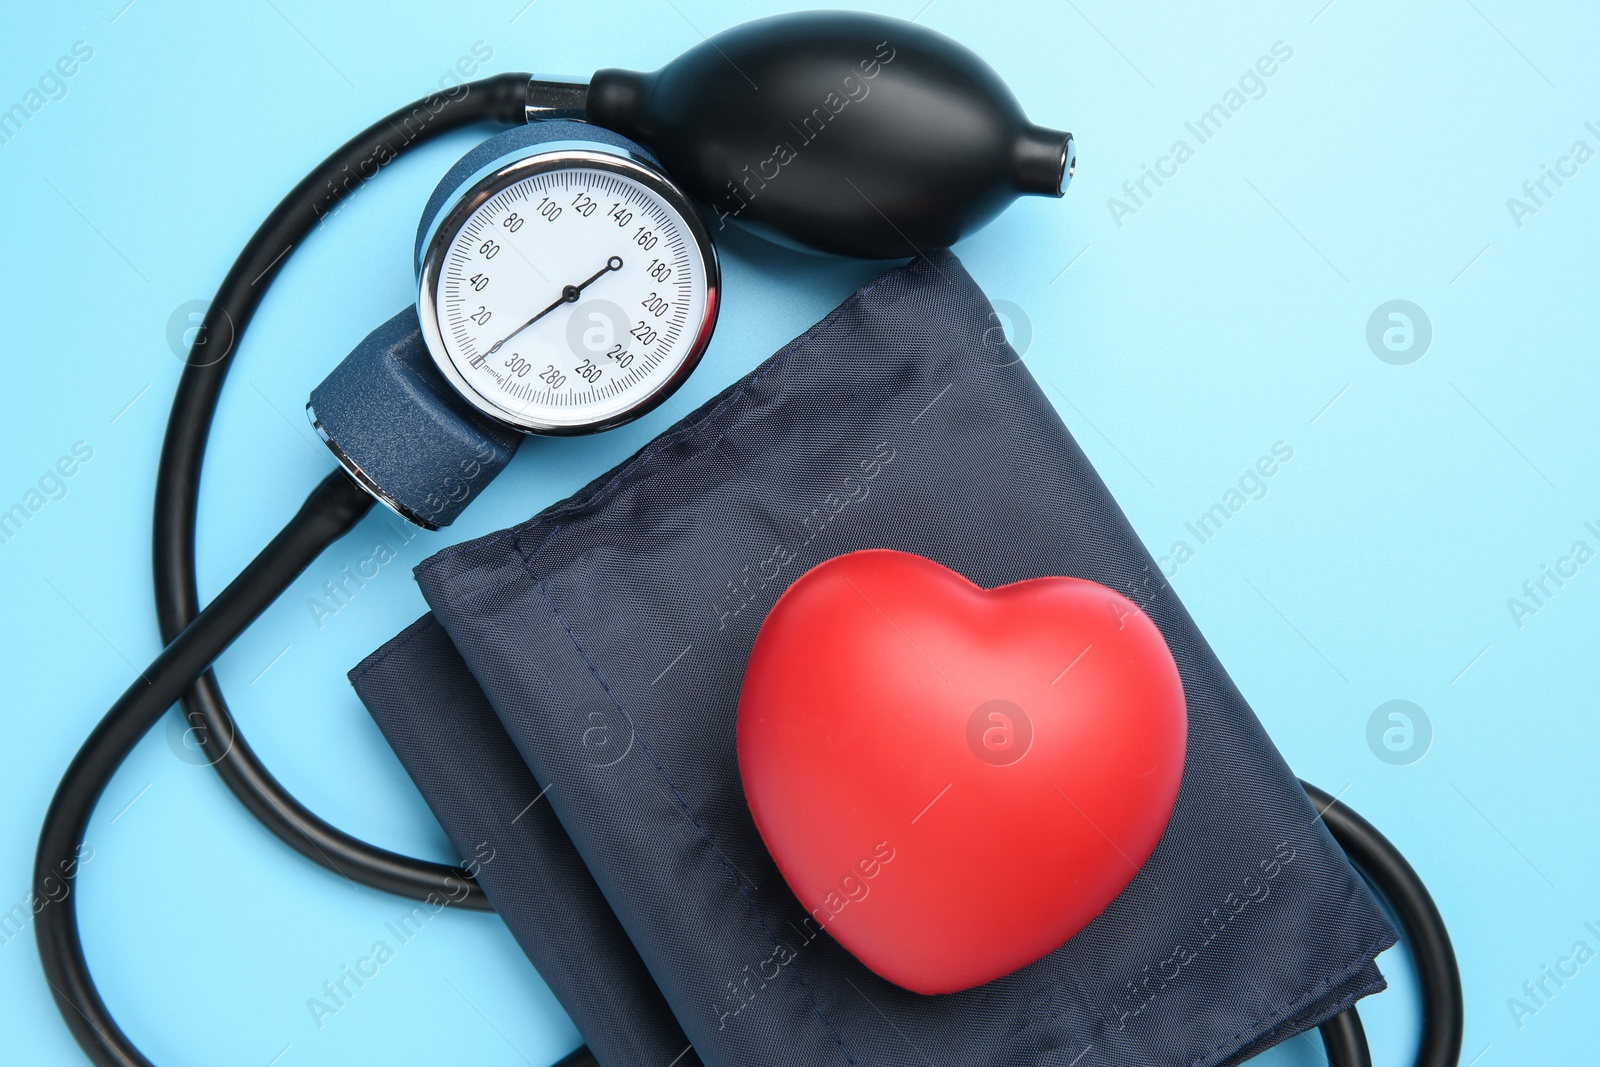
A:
557	96
403	433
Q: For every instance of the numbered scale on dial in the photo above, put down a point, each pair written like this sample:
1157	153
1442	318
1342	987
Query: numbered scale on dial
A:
569	291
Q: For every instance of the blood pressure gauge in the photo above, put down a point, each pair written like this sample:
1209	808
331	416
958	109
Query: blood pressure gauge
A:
567	286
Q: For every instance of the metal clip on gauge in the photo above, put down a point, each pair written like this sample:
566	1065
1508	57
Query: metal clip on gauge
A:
568	284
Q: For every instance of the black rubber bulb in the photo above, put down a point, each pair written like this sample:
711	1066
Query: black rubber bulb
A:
842	132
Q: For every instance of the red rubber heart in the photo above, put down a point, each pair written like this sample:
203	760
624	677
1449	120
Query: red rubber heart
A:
955	780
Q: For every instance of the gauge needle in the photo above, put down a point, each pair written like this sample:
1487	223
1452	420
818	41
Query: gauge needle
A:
569	295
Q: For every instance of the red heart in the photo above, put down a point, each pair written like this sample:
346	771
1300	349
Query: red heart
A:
955	780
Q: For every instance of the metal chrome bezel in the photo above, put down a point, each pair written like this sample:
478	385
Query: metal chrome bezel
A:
556	157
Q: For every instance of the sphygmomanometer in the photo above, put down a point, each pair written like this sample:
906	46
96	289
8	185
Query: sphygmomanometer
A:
567	283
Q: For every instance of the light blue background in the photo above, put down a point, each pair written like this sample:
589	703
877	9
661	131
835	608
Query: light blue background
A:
1228	313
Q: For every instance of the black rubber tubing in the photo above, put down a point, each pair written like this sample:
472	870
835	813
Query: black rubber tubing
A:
196	638
331	510
1443	1006
502	100
1345	1040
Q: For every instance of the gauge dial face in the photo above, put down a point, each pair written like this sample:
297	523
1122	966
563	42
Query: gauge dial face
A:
569	293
